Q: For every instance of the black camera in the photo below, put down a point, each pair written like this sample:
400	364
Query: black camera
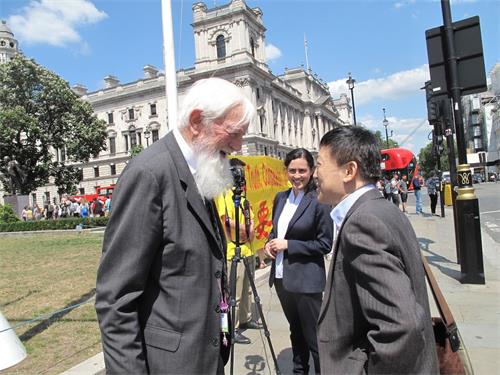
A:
238	177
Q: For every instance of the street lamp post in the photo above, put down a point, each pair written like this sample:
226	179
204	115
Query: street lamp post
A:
147	134
350	83
386	124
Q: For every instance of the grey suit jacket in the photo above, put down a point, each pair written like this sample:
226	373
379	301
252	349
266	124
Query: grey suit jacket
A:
375	315
158	283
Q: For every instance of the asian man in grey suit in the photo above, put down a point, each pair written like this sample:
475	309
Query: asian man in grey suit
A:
375	315
161	283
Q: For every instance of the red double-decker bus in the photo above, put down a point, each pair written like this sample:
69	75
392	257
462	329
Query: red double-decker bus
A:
401	161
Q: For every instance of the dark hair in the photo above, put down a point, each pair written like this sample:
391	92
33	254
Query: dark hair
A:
354	143
235	162
302	153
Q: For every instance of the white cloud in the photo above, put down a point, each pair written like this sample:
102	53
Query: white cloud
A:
272	52
54	22
401	4
395	86
411	133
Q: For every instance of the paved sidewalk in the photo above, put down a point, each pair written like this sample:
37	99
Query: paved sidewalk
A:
476	308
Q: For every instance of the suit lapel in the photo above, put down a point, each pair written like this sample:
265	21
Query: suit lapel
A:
280	204
191	190
304	203
370	194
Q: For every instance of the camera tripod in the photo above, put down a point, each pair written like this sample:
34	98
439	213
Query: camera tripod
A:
237	190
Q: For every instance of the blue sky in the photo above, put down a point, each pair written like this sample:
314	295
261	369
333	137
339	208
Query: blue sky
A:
381	42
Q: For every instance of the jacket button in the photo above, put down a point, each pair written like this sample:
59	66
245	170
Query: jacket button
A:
218	274
215	342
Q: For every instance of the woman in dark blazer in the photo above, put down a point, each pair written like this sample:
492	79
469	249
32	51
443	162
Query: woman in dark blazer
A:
301	236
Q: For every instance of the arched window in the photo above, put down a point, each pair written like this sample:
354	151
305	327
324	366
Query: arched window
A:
252	46
221	47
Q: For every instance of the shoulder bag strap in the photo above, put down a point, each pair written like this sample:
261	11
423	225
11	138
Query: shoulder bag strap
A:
444	309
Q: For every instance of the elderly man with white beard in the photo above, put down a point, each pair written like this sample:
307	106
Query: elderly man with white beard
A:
161	295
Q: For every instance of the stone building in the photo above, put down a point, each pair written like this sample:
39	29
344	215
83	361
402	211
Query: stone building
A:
482	127
294	109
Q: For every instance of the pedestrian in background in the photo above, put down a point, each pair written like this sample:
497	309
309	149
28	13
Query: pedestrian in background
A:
417	186
375	316
300	238
403	189
225	207
432	184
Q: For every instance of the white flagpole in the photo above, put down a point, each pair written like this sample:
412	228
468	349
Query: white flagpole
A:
305	50
169	59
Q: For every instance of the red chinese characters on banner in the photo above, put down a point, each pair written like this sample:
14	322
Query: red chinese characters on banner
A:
263	225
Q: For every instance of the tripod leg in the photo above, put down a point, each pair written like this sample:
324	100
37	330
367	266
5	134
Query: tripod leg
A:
232	304
261	314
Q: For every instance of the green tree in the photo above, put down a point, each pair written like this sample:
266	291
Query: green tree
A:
40	114
382	144
428	161
135	150
7	214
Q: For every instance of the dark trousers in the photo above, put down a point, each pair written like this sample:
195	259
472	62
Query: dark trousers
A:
434	199
302	312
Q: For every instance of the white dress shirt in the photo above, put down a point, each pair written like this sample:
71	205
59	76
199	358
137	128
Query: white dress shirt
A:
291	205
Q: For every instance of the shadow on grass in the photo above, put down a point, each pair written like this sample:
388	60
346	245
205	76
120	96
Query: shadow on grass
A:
20	298
43	325
436	259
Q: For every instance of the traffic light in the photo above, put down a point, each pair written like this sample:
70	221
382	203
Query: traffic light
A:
433	112
433	104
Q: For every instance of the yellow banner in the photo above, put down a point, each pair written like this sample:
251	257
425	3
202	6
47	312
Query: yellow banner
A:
265	177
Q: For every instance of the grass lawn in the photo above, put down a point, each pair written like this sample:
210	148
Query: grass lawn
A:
40	274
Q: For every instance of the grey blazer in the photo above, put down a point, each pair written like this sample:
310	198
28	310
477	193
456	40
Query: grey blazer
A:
158	283
375	315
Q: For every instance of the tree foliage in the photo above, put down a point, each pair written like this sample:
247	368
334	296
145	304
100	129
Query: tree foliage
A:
382	144
7	214
135	150
39	113
427	159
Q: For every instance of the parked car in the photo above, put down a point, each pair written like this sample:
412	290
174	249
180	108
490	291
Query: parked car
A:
477	178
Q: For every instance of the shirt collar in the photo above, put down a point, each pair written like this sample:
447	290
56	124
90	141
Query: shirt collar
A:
340	211
186	150
295	199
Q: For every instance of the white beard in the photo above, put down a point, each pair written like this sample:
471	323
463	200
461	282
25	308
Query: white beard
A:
213	176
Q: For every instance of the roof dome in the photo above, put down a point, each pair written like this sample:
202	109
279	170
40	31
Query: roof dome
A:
5	31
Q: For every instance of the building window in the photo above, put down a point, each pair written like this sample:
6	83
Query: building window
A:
475	118
126	141
252	46
63	155
82	191
221	46
477	131
33	199
133	137
110	118
112	168
155	135
152	107
80	174
139	139
96	171
131	114
478	144
257	93
112	145
261	121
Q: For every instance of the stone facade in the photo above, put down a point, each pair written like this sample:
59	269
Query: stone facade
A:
482	126
294	109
